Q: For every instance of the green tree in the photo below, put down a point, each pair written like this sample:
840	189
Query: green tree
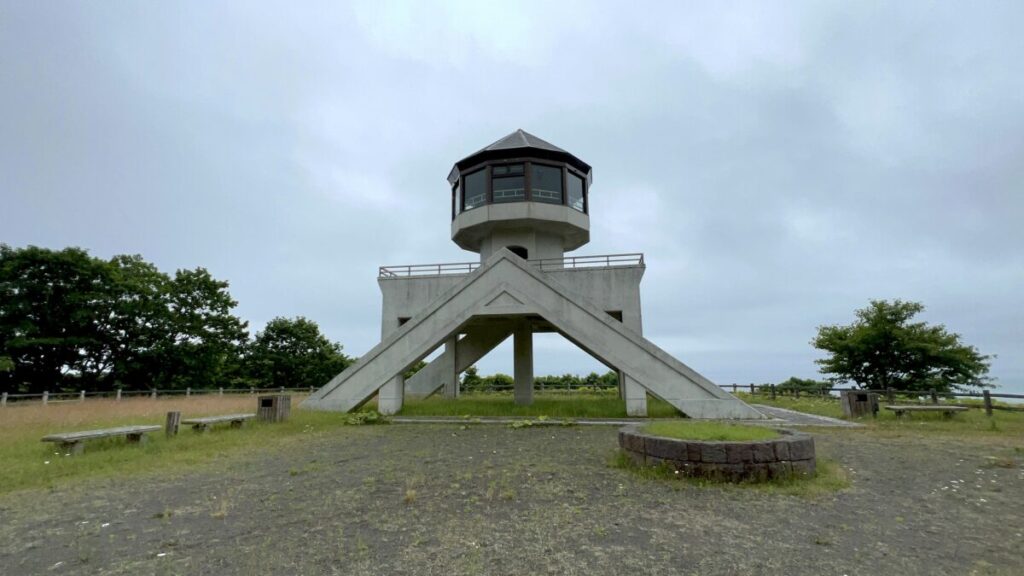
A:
48	317
884	349
471	380
293	353
802	384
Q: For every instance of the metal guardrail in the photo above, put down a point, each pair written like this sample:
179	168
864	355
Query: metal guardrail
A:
543	264
81	396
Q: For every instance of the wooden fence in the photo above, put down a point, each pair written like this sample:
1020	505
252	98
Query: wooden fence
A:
117	395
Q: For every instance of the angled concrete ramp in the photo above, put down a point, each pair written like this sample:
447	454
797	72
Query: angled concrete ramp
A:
506	286
478	341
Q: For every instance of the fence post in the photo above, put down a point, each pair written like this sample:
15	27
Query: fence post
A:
173	421
281	390
796	393
46	397
252	390
773	391
310	389
3	400
153	394
188	392
220	391
890	395
988	402
935	396
734	388
751	388
81	396
118	397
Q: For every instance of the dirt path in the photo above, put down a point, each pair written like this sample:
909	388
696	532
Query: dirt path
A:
437	499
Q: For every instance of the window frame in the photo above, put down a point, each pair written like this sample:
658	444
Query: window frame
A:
527	162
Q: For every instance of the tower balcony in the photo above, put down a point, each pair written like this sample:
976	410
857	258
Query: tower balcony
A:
596	262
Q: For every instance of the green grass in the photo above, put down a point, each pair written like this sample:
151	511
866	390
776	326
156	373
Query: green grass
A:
829	478
973	422
711	431
29	463
603	404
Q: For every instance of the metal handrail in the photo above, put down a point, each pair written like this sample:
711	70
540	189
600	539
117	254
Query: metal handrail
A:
543	264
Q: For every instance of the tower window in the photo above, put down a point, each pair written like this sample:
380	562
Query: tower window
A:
519	251
546	183
475	193
575	196
508	183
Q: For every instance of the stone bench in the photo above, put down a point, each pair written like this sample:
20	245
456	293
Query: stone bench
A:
947	411
204	424
73	442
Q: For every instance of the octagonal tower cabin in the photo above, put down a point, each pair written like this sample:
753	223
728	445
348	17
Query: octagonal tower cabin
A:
520	193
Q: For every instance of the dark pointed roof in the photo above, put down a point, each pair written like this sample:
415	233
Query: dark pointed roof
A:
519	143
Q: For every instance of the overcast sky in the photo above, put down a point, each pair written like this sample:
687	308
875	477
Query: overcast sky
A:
779	165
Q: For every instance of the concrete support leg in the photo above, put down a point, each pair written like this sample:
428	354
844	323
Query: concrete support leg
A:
523	364
622	384
450	375
389	398
636	396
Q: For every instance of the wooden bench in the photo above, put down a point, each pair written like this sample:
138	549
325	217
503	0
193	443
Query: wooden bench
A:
947	411
73	442
204	424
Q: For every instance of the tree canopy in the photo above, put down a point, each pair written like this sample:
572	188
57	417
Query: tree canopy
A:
883	349
293	353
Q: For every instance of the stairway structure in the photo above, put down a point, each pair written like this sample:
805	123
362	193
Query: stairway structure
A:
521	203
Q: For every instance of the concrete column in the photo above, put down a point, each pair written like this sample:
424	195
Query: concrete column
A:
636	396
622	384
523	363
389	398
449	374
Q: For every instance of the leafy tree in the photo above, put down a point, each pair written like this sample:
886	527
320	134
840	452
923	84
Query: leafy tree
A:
48	321
293	353
884	349
471	379
804	385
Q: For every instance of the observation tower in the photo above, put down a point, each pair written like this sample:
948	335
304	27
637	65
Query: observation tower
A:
521	203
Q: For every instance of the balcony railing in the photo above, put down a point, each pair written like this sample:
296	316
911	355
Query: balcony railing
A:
543	264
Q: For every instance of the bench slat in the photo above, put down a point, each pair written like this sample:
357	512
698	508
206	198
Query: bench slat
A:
216	419
87	434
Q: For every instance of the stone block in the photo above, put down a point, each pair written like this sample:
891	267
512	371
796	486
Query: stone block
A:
737	453
665	448
732	472
781	449
755	472
634	442
693	452
763	452
779	470
712	453
801	448
804	468
654	460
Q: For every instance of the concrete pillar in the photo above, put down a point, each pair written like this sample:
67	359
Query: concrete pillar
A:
636	396
523	363
389	398
622	384
449	374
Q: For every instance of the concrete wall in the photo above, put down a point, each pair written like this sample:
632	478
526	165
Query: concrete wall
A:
606	288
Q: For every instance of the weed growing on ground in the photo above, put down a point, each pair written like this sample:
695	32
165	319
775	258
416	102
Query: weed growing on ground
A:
828	478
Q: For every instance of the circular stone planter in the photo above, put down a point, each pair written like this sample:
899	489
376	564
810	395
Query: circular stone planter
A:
791	455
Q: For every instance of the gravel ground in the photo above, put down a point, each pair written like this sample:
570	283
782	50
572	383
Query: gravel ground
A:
441	499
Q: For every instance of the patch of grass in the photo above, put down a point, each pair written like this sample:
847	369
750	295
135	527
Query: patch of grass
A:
29	463
581	404
974	422
711	431
829	478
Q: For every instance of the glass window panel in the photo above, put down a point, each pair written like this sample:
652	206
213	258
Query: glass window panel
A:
515	169
546	183
575	192
509	189
499	170
458	198
476	189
